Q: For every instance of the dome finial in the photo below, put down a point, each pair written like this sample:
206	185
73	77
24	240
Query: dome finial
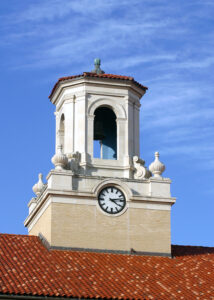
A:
60	160
97	70
37	188
157	167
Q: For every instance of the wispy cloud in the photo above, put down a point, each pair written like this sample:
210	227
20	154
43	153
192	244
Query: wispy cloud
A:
132	61
92	28
157	41
177	116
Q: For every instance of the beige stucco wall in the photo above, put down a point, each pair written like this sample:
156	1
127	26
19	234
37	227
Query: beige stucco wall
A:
84	226
150	230
43	225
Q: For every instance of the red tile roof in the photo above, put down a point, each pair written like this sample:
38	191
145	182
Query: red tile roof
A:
28	268
89	74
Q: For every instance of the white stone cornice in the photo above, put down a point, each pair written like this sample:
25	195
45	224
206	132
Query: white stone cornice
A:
154	203
166	200
160	180
50	192
115	94
155	193
115	84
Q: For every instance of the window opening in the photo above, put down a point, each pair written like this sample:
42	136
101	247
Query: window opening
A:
105	134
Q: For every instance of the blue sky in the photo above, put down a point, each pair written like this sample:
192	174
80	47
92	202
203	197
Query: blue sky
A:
165	45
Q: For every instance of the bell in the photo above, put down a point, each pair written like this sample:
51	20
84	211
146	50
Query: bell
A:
98	131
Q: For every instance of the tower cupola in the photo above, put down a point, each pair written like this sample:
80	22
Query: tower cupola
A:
100	194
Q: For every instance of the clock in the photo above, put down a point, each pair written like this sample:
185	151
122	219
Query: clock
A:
111	200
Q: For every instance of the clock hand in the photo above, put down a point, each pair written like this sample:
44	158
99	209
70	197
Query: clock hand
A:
113	200
117	199
118	204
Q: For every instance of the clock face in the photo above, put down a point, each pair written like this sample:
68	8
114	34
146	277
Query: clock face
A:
111	200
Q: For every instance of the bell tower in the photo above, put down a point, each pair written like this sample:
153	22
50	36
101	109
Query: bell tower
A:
97	112
100	195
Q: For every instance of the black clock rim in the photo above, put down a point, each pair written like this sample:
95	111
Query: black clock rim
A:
112	213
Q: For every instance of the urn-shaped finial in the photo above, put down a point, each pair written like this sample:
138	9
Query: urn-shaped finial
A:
37	188
157	167
97	70
60	160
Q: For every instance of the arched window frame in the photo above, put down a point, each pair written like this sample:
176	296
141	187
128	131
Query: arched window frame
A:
121	118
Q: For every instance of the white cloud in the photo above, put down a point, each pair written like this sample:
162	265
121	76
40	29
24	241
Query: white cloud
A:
156	41
204	152
131	61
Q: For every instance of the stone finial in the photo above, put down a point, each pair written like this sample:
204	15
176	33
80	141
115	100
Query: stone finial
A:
97	70
37	188
157	167
60	160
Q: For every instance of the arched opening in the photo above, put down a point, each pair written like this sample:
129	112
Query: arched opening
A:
105	133
61	132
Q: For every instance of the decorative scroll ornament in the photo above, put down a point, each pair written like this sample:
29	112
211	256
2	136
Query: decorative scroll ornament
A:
74	159
140	170
37	188
157	167
60	160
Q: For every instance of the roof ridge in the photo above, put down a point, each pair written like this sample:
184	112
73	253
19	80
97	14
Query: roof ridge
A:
108	74
35	236
91	74
176	245
17	234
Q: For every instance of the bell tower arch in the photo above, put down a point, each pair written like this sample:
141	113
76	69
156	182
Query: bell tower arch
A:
105	131
118	119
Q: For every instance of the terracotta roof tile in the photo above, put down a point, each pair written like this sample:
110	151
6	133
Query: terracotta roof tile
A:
89	74
28	268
